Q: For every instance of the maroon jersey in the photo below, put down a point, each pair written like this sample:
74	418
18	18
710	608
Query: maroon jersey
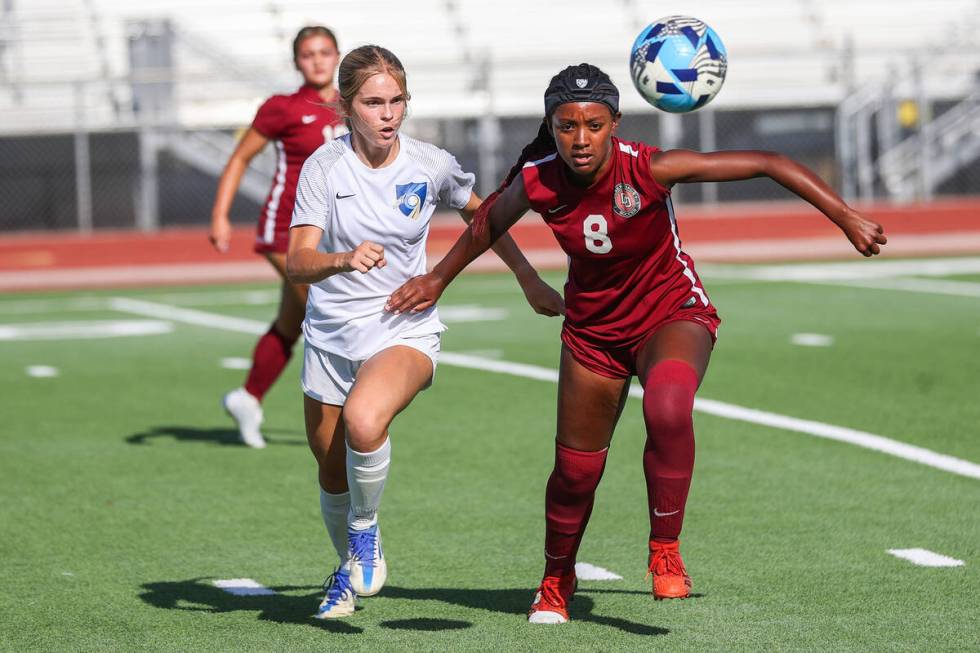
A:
627	273
298	124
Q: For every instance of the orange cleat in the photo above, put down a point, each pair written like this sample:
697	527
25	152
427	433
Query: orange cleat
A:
670	579
549	605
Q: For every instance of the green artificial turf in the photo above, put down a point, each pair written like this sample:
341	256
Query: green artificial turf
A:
125	492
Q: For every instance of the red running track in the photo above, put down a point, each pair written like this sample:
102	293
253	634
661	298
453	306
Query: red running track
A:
728	233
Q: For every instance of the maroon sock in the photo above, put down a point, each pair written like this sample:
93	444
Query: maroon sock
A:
269	359
668	458
568	504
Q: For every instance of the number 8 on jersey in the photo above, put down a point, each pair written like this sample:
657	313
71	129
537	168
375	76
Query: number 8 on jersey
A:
597	235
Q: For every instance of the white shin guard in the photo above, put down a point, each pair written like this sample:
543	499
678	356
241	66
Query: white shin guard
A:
366	475
334	509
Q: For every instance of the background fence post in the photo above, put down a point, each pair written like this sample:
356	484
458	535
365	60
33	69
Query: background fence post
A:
83	164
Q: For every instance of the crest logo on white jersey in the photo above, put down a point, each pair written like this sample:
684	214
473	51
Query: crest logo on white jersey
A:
581	83
409	198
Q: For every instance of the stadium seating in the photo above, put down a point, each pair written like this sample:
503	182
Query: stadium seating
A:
463	56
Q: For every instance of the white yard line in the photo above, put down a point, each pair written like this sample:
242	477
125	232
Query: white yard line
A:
589	571
29	306
862	439
236	363
926	558
243	587
41	371
471	313
855	270
927	286
83	330
876	275
811	339
188	316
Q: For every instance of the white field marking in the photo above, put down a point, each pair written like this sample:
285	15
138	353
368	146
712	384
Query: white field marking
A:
217	298
188	316
857	270
588	571
485	353
471	313
27	306
464	313
928	286
83	330
926	558
236	363
862	439
203	298
41	371
811	340
84	278
67	573
243	587
964	243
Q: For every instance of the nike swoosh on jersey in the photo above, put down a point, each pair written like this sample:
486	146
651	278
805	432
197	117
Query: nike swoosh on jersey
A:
657	513
343	197
557	208
308	119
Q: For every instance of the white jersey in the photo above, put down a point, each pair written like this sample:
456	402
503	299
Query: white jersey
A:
390	206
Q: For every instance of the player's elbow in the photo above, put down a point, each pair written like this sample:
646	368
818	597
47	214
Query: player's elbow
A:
771	163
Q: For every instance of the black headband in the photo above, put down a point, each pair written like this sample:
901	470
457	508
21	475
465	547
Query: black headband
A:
581	83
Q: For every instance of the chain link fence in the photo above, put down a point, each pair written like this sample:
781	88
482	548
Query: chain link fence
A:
155	174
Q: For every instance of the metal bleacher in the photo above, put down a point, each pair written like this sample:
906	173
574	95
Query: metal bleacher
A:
65	67
463	56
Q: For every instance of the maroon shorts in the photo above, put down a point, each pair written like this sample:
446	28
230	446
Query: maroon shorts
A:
279	244
272	232
619	361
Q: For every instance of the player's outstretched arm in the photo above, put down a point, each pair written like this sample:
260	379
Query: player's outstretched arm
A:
250	145
544	299
681	166
422	292
305	264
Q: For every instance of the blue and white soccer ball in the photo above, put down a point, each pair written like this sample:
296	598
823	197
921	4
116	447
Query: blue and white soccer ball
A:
678	64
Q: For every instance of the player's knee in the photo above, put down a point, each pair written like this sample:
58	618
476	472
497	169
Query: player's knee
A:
574	482
578	474
667	407
668	396
365	426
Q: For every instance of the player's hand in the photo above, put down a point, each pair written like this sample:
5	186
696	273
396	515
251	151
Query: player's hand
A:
866	235
367	255
544	299
220	235
416	295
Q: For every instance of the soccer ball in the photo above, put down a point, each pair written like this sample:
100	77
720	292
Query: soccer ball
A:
678	64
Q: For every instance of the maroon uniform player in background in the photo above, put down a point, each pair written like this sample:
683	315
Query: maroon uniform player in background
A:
298	124
634	306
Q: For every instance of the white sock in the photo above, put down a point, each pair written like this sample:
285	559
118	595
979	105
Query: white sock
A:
334	509
366	474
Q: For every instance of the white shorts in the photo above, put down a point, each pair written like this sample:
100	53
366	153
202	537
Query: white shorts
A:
329	377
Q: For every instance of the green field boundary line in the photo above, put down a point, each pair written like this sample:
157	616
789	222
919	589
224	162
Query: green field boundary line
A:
854	437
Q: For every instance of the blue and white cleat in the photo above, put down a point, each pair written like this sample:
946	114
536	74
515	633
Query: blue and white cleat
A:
340	598
368	569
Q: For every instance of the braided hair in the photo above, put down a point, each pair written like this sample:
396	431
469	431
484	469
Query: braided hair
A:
581	83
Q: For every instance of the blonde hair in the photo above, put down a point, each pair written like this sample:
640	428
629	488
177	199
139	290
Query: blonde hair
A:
360	64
